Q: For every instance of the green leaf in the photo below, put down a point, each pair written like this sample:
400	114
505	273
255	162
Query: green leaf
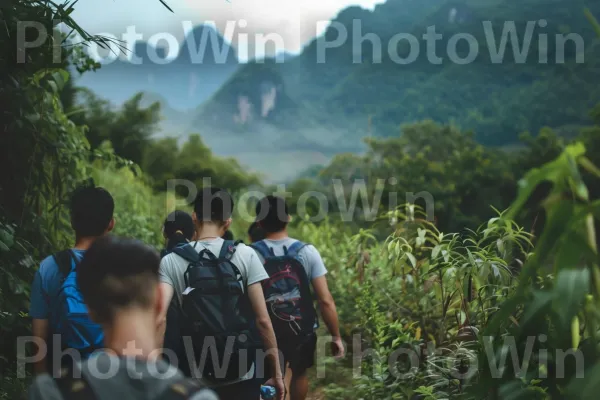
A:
542	300
575	335
412	259
589	166
586	387
435	252
592	20
502	315
572	285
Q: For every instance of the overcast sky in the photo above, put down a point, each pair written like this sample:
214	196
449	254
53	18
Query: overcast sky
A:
294	20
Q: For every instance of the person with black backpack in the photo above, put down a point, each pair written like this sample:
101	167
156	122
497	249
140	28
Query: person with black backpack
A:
292	267
225	325
59	315
118	279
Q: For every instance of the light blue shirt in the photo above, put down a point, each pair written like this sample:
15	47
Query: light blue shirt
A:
309	256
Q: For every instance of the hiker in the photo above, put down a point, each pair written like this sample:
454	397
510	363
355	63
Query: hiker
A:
223	277
178	229
118	279
291	264
255	233
59	316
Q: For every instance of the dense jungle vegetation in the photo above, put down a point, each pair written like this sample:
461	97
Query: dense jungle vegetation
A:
462	295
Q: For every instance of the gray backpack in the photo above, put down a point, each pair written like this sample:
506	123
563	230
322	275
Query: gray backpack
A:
72	388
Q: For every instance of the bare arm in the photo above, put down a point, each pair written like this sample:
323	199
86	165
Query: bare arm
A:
328	312
265	328
167	294
326	305
40	331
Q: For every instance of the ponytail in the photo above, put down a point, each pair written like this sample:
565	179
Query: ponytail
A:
176	239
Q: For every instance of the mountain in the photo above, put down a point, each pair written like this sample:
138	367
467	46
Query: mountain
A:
204	62
328	100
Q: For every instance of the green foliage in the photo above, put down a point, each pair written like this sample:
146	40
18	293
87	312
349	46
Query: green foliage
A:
128	129
43	156
195	162
421	290
139	212
564	309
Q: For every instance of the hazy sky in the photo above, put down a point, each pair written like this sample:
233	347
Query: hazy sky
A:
294	20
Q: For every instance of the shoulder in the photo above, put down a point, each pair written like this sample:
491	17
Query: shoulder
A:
43	387
48	265
170	260
48	271
244	252
309	250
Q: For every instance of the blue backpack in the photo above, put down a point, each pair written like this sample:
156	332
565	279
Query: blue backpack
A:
70	314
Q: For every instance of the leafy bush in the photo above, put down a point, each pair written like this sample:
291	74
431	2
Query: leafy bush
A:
139	212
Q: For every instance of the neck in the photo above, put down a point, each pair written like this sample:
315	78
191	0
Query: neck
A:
84	243
208	231
132	334
277	235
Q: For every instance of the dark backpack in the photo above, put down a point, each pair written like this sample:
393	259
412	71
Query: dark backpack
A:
287	292
78	388
70	314
216	311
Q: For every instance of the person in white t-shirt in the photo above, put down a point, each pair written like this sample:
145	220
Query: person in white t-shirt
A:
272	216
212	217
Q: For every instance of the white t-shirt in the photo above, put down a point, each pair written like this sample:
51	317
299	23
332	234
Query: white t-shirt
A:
309	256
173	267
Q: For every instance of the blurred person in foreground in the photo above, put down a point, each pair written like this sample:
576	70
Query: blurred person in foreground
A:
119	282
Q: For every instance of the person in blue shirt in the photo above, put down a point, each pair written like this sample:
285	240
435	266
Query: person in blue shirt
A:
91	210
118	279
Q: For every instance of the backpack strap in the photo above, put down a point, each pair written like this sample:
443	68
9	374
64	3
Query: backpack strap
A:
64	261
184	389
187	252
262	249
72	388
305	292
228	249
295	248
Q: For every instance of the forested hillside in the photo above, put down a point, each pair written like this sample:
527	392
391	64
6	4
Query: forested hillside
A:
497	100
190	78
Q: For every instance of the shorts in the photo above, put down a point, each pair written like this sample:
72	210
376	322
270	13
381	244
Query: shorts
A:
299	352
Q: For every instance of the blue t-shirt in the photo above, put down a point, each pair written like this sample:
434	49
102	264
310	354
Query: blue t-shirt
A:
46	286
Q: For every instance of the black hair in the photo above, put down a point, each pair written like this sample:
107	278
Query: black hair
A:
256	233
228	235
213	204
92	210
178	228
272	213
117	273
